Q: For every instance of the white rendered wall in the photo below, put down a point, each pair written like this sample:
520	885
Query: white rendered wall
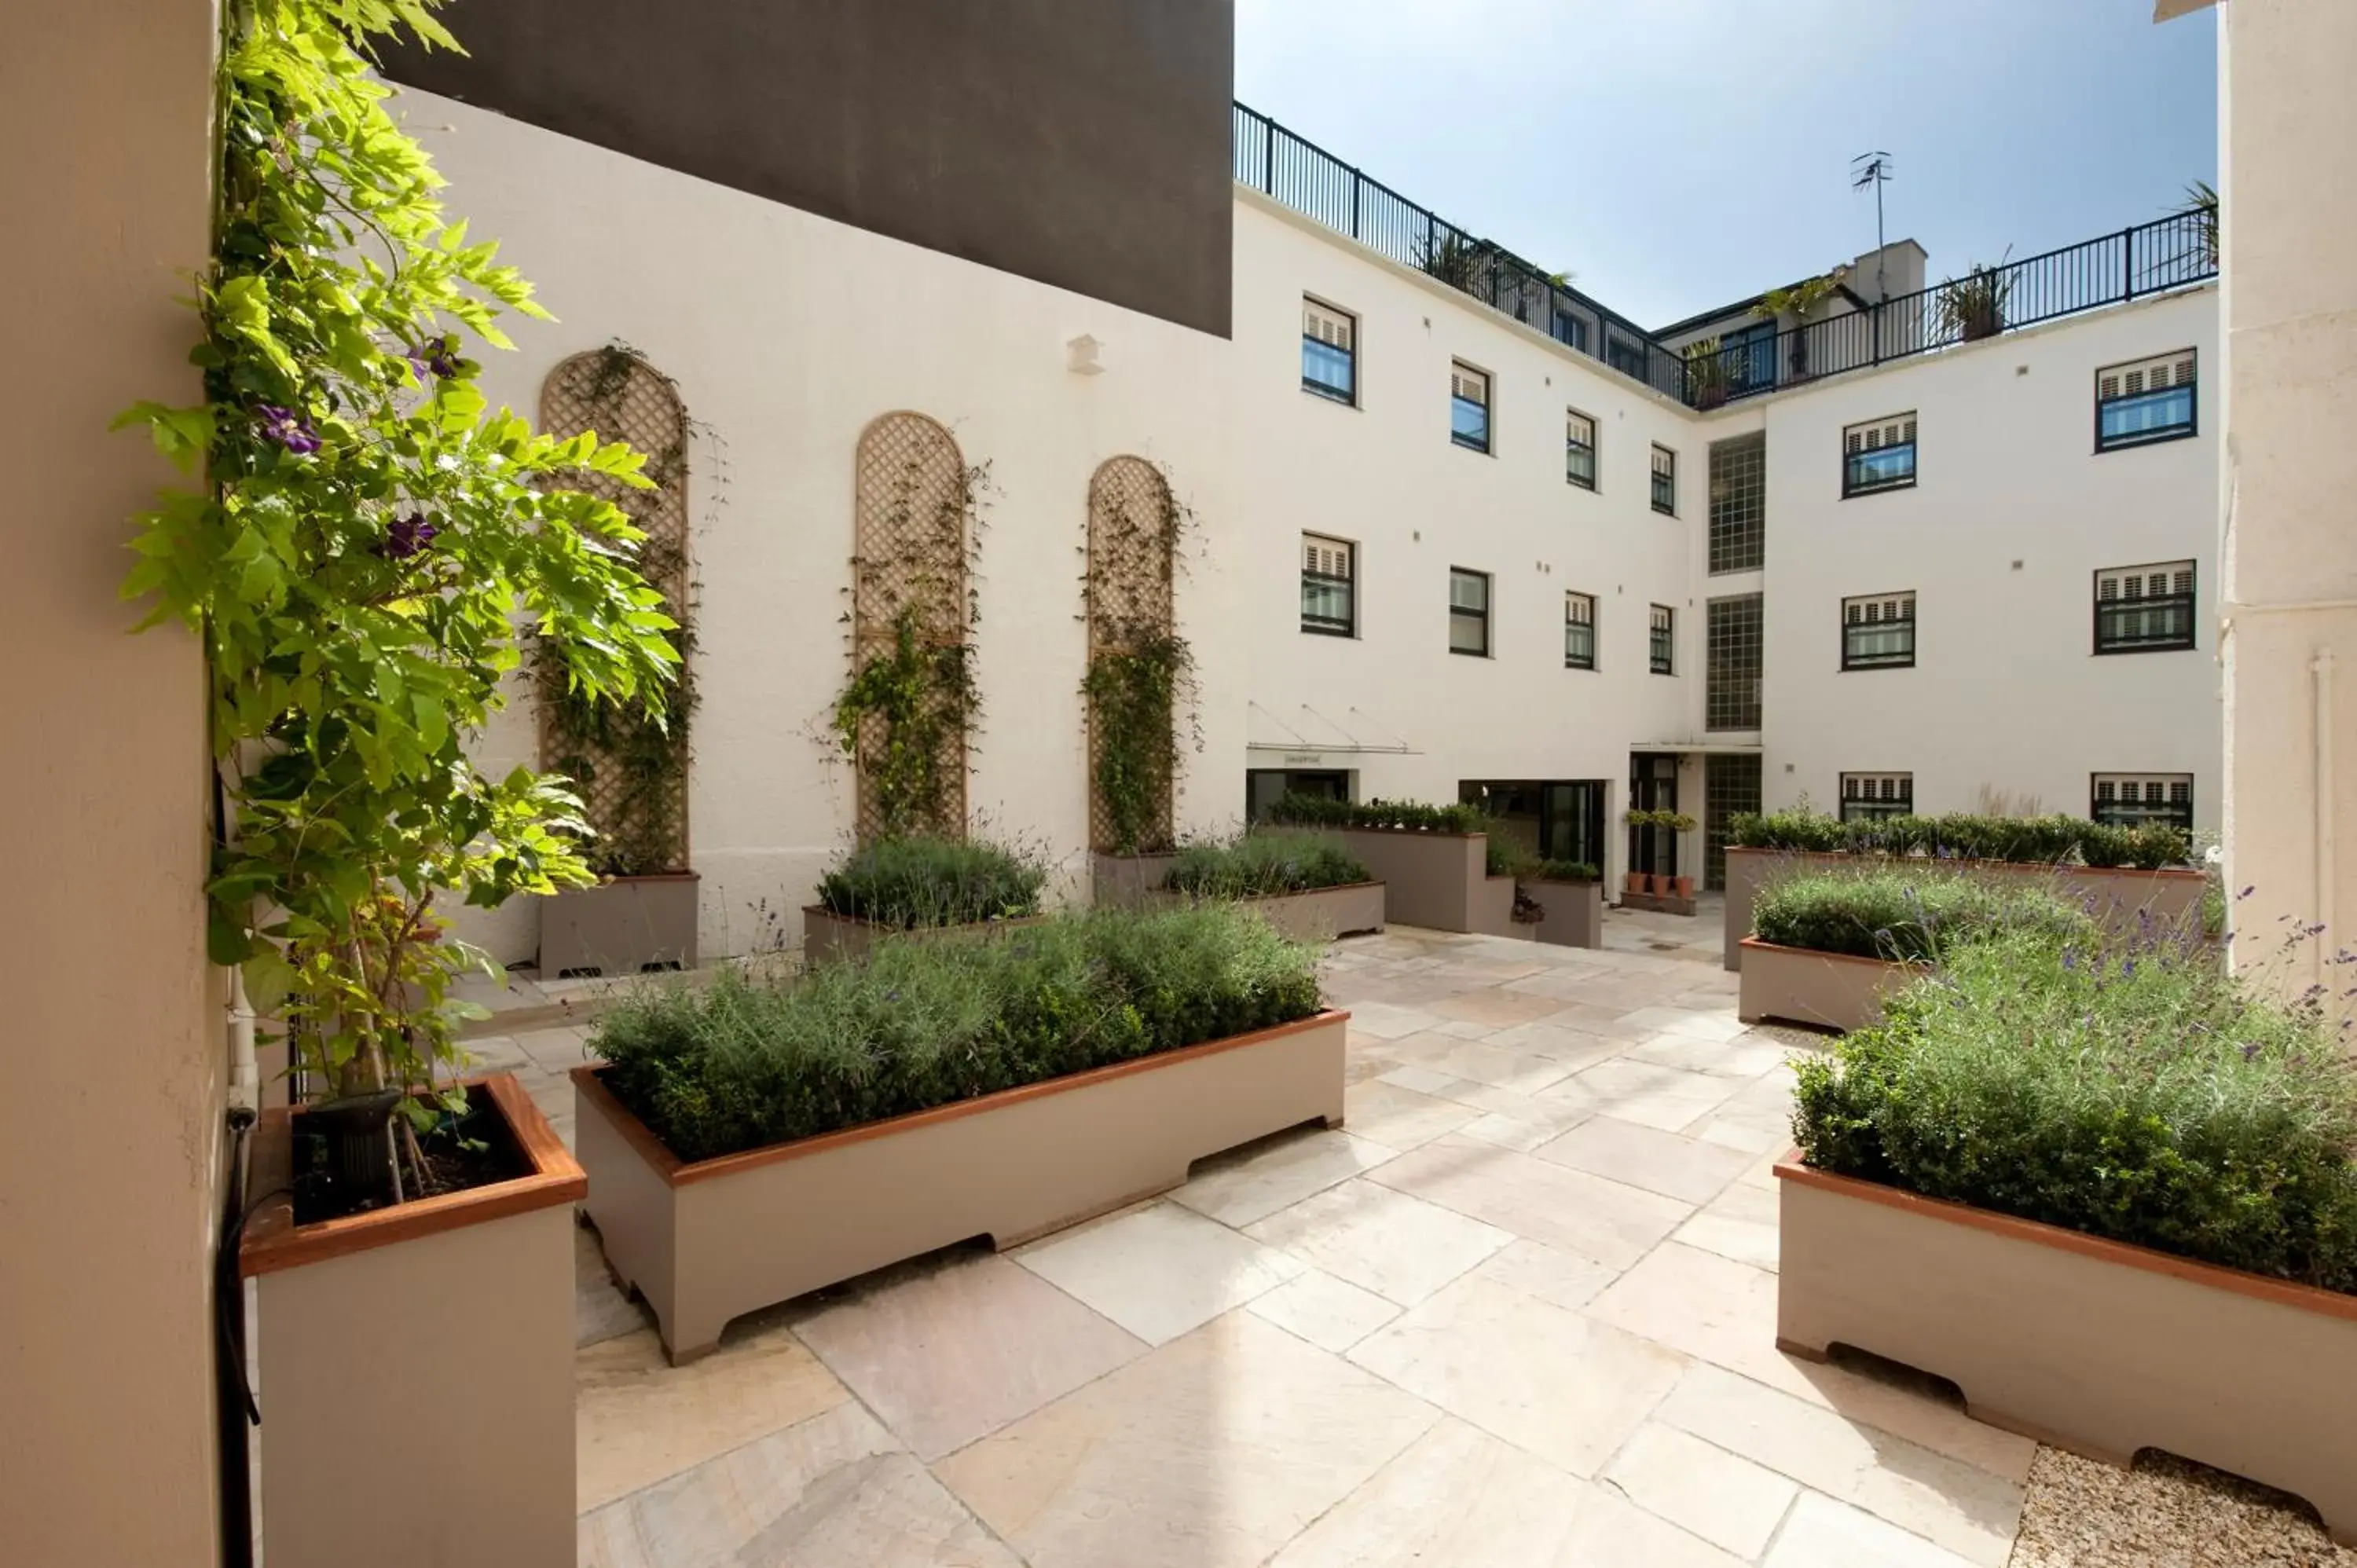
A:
787	334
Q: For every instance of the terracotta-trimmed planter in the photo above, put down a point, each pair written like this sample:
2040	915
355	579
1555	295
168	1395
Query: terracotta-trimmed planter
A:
2121	893
1575	913
1127	881
706	1241
1322	914
415	1364
630	925
1435	880
829	937
1828	990
2082	1343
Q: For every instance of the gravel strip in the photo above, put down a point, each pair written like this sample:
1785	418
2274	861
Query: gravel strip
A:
2166	1513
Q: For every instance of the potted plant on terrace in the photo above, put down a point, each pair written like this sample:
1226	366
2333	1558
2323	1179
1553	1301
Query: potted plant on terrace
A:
1679	886
1973	307
751	1142
921	887
1305	884
1641	820
356	560
1705	373
1797	302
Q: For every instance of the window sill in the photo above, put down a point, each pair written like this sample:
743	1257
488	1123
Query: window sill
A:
2185	647
1464	446
1848	494
2103	448
1345	632
1328	394
1848	669
1470	652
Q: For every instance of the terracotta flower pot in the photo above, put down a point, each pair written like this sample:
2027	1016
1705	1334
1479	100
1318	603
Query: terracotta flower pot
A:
1683	886
1636	880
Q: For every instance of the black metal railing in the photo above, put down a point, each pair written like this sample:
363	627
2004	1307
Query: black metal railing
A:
2150	258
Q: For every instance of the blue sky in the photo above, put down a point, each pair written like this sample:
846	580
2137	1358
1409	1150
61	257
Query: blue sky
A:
1676	154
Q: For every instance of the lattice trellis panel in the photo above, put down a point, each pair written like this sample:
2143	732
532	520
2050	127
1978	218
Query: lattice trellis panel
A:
1132	552
912	546
641	821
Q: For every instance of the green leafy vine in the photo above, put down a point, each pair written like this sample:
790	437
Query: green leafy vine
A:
905	716
1141	675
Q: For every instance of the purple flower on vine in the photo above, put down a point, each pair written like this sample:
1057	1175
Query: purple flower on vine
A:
405	537
287	428
436	356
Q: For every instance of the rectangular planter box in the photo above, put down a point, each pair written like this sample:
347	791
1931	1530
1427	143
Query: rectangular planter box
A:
2082	1343
829	937
1575	913
1493	909
2121	896
631	924
1323	913
1827	990
707	1241
415	1365
1127	881
1438	881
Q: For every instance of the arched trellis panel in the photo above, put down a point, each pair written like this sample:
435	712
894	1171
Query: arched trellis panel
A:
912	584
631	770
1134	656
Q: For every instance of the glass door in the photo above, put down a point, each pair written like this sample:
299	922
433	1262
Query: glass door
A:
1654	787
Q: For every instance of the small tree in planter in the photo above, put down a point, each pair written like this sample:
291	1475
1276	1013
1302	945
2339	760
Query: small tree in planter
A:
1796	302
1705	373
1676	822
1973	307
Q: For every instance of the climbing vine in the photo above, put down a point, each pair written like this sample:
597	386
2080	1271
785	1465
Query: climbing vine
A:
1140	682
905	716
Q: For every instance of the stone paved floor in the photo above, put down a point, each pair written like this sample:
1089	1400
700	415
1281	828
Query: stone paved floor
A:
1519	1313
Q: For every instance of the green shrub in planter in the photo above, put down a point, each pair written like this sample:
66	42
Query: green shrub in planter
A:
1504	855
2141	1094
1562	871
1311	811
1906	915
1965	835
917	882
2148	846
1798	828
1265	865
744	1064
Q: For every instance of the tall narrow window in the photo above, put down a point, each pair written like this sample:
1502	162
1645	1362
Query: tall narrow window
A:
1878	454
1330	352
1468	612
1865	795
1662	640
1579	449
1579	631
2151	400
1666	481
1739	503
1879	632
1732	635
1329	599
2145	609
1468	407
2131	800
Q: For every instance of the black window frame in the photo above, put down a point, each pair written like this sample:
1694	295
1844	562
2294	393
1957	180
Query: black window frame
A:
1661	639
2109	813
2190	600
1569	621
1850	662
1322	626
1735	634
1900	804
1590	484
1487	444
1666	481
2192	389
1321	389
1851	486
1456	614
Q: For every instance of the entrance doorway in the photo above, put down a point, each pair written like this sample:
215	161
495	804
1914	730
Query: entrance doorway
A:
1654	787
1263	787
1557	819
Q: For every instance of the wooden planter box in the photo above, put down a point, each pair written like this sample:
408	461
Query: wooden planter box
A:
1492	913
1439	881
631	924
1323	913
2086	1344
707	1241
828	938
1828	990
1575	913
2121	896
415	1364
1127	881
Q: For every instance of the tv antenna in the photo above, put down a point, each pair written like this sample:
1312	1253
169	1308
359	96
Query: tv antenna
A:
1875	170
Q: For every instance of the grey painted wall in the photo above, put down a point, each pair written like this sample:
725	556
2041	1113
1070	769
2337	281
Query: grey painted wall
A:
1081	142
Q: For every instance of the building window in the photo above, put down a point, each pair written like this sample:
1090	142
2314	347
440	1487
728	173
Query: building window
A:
1468	612
1730	786
1468	407
1879	632
2131	800
1579	449
1878	455
1865	795
1739	503
1329	596
1662	640
2145	609
1579	631
1731	663
1666	481
2151	400
1571	331
1330	352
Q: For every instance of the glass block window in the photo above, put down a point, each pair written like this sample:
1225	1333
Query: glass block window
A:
1879	632
1329	591
1878	454
1662	640
1869	795
2145	609
1468	407
1731	669
1579	449
1666	481
1579	631
2130	800
1730	785
1739	503
1329	351
2151	400
1468	612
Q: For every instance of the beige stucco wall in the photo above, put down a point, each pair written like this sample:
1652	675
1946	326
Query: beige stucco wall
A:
2287	152
109	1154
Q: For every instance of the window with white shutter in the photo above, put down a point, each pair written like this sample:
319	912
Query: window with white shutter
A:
1579	631
1878	454
1329	351
1878	631
2131	800
1468	612
2145	609
2146	401
1468	407
1330	597
1579	449
1666	481
1662	640
1865	795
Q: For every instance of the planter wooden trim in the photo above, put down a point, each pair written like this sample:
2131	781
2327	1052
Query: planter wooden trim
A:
704	1242
273	1240
1823	990
828	937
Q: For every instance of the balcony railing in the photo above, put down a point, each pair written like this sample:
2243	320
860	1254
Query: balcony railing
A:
2150	258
